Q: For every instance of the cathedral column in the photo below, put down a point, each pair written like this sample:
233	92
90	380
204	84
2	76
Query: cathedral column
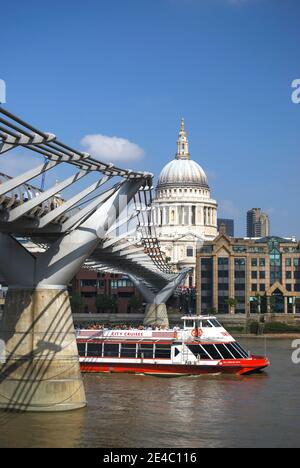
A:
164	215
202	215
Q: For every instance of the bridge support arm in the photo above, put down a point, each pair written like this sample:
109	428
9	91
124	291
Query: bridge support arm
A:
156	313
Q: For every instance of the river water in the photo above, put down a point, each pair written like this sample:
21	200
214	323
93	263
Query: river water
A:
141	411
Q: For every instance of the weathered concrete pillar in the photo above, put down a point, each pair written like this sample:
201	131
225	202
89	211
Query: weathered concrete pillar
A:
156	315
42	370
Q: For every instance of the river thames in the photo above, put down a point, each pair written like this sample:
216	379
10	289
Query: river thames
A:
208	411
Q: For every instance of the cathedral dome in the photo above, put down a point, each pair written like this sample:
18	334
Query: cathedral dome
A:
182	171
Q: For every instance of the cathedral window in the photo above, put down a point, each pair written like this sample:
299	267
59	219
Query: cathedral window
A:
189	252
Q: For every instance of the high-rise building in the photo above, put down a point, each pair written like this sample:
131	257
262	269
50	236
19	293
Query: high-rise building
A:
184	212
229	224
258	223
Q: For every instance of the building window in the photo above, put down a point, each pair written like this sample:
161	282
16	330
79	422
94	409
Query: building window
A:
262	287
288	275
254	274
262	275
288	262
239	248
296	262
254	287
223	261
289	287
254	262
262	262
240	261
223	286
89	283
190	252
240	274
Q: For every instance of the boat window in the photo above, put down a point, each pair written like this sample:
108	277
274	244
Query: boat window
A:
215	323
212	351
242	350
111	350
163	351
81	349
176	352
128	350
227	347
206	324
198	350
218	351
94	349
146	351
224	351
237	354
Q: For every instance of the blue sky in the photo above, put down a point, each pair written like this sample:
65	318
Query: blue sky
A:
131	68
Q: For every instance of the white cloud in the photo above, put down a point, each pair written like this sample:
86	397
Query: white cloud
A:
112	149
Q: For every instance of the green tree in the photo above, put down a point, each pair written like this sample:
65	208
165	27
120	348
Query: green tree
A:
106	303
77	303
135	303
212	311
232	303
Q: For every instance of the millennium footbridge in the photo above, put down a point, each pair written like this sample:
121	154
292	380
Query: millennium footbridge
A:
105	224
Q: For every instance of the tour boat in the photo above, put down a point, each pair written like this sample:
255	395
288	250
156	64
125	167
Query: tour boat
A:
202	346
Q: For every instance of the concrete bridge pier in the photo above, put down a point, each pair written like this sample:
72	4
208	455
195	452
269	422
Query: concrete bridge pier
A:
42	371
156	315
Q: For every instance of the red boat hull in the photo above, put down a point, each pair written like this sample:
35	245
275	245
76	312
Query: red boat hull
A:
238	367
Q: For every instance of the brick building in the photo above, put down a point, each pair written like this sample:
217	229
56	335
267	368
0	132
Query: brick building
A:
89	284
